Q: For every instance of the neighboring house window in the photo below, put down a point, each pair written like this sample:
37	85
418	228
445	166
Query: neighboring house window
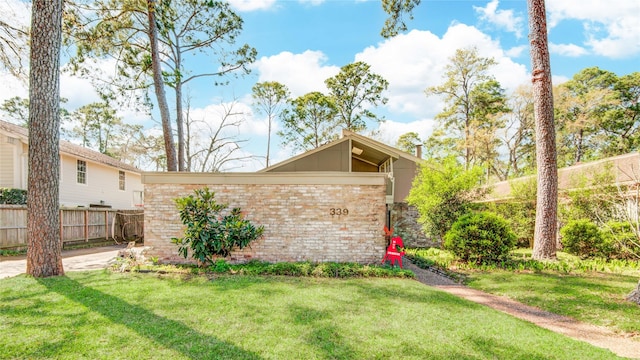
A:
81	176
138	198
121	180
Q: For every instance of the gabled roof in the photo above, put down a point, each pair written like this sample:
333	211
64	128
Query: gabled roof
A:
373	151
389	150
69	148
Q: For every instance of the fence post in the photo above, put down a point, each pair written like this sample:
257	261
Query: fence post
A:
62	227
86	226
106	224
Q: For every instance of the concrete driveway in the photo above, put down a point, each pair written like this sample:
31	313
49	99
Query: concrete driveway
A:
72	260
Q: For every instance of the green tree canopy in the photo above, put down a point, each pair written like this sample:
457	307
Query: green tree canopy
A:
408	141
309	122
581	105
355	90
621	125
474	102
269	99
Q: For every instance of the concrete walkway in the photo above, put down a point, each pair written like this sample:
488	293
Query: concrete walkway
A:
72	260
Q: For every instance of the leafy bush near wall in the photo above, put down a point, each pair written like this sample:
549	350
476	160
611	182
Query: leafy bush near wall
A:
13	196
614	240
325	269
481	238
621	239
209	232
593	197
520	260
583	238
519	210
442	191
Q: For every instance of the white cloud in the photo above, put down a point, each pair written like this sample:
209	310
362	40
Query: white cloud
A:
12	86
611	28
570	50
252	5
78	91
301	73
311	2
15	14
211	116
503	19
250	133
390	131
516	51
415	61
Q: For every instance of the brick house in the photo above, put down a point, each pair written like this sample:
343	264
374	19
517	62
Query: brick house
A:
329	204
354	153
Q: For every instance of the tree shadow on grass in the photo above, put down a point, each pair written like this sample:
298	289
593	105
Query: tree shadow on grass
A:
162	331
321	334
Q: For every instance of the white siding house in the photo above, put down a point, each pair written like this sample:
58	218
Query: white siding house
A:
87	178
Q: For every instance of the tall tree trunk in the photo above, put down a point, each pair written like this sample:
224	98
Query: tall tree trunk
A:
43	203
544	244
180	125
158	82
579	150
269	138
179	114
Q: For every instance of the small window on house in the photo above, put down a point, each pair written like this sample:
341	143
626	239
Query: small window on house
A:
138	198
81	174
121	180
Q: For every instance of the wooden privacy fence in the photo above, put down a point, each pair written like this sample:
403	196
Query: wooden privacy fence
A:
76	225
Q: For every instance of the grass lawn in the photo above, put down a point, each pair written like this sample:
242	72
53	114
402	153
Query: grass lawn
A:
102	315
592	291
596	298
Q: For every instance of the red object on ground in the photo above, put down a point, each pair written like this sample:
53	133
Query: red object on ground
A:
393	254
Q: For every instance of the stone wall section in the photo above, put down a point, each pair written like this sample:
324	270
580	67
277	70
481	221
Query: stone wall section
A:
299	222
404	220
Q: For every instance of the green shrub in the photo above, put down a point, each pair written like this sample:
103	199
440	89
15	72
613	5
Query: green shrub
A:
519	210
592	196
521	218
208	232
583	238
13	196
326	269
481	238
442	191
620	240
220	266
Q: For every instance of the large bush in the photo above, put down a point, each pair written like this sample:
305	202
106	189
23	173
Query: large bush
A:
442	192
519	210
583	238
481	238
209	232
13	196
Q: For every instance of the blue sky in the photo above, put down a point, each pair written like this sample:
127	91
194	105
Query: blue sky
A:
301	43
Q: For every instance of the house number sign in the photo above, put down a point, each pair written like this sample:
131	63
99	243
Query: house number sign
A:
338	211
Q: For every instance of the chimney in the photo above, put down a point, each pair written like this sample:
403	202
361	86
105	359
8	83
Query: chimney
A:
419	150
